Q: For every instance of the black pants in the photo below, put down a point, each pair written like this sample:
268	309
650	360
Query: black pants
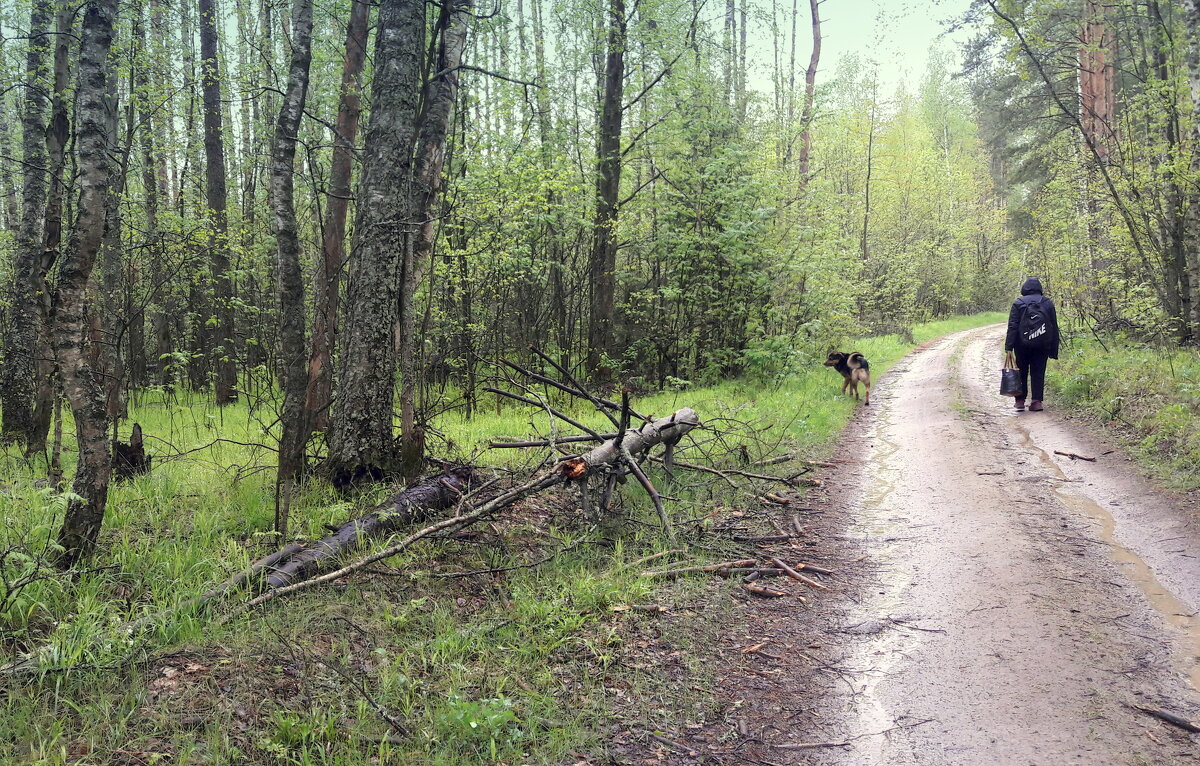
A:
1032	364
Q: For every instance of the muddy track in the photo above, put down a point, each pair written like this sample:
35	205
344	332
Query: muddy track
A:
1005	604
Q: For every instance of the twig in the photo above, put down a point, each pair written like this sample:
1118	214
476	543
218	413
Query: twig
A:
672	573
1073	456
792	573
1169	717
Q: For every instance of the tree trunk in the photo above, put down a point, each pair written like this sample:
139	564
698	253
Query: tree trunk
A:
603	262
21	341
215	193
1193	207
408	507
429	158
810	86
329	268
361	442
294	418
85	513
58	134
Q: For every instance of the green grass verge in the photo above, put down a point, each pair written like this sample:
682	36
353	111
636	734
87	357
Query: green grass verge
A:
528	666
1149	397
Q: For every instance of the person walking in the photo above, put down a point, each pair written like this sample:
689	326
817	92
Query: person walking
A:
1033	335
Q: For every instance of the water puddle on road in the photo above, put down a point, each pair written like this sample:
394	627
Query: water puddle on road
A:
1174	612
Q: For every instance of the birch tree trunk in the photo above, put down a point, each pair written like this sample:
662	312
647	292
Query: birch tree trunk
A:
361	441
294	418
21	341
810	87
333	250
216	196
85	513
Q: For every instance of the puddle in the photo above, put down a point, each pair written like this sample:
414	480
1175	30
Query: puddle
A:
1174	612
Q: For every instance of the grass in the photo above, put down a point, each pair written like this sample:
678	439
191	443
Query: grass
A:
1149	397
526	666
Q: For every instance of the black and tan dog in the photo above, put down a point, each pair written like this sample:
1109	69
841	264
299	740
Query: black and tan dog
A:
855	369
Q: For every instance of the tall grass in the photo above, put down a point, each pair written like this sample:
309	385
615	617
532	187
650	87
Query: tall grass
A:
1149	396
523	666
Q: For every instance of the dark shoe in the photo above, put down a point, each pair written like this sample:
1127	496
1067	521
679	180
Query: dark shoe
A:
1035	406
1020	405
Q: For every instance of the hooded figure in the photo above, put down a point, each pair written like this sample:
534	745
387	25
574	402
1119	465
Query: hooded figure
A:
1042	344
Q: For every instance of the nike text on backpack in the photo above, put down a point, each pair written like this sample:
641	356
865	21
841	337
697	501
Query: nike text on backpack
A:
1034	329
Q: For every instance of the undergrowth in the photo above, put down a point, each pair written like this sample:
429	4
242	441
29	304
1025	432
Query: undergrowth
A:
528	665
1149	396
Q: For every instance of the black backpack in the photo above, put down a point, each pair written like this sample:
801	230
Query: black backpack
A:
1034	330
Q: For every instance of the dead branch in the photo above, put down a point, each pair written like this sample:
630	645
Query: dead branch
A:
673	573
759	590
792	573
1168	717
1073	456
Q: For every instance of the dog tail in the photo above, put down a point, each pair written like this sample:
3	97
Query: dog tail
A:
856	358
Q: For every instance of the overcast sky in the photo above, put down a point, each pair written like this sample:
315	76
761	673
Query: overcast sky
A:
896	33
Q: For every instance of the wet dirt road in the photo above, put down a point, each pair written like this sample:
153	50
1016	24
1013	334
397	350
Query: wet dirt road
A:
1020	602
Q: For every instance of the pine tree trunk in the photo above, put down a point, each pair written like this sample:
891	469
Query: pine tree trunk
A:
602	264
294	418
361	441
21	341
85	513
216	197
333	249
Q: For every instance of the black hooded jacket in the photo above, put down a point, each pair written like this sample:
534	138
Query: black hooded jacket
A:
1031	294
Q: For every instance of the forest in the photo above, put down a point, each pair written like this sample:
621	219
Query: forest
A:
263	262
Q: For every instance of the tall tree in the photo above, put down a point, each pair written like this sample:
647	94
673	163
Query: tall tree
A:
810	85
216	197
429	157
20	377
85	511
603	262
295	418
333	249
1193	207
361	436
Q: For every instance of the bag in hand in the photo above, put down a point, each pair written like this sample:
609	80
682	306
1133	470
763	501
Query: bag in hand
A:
1010	378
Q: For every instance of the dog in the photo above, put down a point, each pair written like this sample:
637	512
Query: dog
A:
855	369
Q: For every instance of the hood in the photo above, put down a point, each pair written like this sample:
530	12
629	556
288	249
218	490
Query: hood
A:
1032	285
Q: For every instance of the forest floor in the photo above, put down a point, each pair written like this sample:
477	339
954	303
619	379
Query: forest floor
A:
996	600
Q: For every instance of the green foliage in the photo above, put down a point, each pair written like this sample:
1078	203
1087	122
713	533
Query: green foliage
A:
1149	395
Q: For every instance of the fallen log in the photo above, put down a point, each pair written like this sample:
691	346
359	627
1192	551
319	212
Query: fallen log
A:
413	505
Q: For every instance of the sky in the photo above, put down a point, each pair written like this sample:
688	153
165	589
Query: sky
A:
896	33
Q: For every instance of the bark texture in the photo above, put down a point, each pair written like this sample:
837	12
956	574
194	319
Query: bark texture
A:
21	342
216	196
411	505
333	250
361	441
603	261
294	418
430	156
810	88
85	514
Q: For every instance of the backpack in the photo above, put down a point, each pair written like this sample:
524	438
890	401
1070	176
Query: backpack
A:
1034	329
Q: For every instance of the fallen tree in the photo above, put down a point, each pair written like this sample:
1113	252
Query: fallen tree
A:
297	567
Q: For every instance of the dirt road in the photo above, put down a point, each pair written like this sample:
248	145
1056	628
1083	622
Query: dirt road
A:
1020	601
